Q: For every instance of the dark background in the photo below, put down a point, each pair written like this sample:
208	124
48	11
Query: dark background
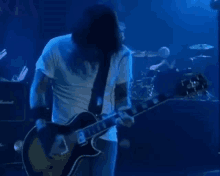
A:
150	25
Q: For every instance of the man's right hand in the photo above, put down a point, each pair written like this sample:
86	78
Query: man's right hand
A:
46	136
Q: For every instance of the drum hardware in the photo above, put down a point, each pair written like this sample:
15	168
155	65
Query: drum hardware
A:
210	96
15	78
200	56
199	62
3	53
21	76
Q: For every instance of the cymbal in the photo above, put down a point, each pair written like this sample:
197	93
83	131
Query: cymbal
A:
201	47
200	56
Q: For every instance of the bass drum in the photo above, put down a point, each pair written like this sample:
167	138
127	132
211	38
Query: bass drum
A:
143	89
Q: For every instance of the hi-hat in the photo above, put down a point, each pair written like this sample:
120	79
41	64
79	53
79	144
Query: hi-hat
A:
200	56
201	47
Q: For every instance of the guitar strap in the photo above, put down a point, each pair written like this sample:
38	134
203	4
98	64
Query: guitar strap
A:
97	97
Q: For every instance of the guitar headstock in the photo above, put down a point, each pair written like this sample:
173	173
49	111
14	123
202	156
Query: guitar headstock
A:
180	83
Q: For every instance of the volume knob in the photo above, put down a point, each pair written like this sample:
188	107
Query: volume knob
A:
18	146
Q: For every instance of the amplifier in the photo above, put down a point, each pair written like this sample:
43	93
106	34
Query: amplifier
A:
13	101
12	135
12	169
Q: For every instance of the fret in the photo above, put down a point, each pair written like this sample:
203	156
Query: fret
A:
93	129
103	124
81	137
90	132
98	127
87	131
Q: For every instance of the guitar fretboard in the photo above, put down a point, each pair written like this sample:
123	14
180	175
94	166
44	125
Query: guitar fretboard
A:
110	120
185	87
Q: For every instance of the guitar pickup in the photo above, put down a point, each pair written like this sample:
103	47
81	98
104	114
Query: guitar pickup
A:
81	139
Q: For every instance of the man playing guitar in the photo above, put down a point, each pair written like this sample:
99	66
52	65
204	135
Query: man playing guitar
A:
69	64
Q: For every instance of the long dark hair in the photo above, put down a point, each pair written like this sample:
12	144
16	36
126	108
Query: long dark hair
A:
96	37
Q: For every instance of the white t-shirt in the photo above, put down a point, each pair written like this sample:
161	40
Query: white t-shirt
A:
71	94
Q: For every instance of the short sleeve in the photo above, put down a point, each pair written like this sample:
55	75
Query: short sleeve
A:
45	62
125	69
125	74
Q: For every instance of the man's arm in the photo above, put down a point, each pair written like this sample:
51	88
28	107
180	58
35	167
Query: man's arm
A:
164	63
39	87
123	88
121	95
122	91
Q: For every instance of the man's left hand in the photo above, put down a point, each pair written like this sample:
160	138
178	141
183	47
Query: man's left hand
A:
125	119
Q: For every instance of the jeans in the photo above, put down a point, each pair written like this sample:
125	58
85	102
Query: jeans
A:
102	165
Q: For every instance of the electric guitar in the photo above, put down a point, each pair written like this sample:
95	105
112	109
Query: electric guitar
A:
83	131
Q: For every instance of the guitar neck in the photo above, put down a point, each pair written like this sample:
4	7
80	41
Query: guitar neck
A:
183	87
179	86
111	120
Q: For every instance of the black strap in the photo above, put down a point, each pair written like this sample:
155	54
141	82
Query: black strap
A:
96	102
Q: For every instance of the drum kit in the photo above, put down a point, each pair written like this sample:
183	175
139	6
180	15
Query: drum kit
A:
143	89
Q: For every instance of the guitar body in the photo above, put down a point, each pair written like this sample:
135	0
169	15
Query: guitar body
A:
37	164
